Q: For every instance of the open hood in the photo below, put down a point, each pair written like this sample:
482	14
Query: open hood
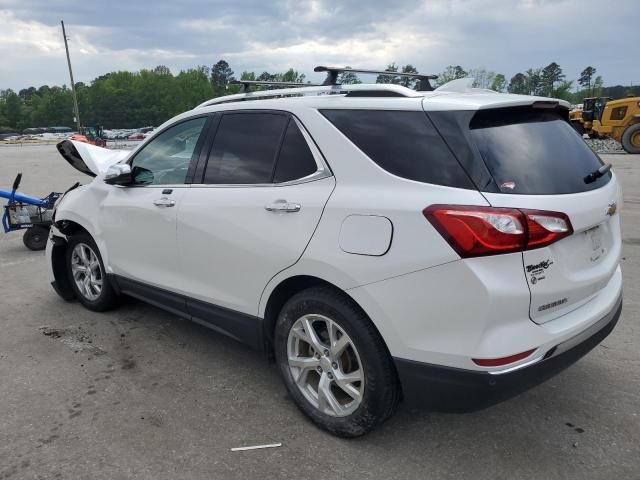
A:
89	159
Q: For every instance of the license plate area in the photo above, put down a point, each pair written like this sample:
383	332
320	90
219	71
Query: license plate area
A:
595	244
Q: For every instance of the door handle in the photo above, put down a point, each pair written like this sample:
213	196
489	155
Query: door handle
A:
282	206
164	202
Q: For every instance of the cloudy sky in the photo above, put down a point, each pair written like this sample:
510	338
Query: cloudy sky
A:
256	35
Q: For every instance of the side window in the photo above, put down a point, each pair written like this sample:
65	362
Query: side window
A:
165	160
245	148
295	160
404	143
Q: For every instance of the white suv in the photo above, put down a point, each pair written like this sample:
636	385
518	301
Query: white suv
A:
450	248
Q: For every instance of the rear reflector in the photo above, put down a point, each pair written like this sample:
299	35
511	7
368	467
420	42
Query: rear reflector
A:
499	362
474	231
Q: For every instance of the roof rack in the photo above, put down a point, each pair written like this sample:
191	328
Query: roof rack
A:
333	72
358	89
246	84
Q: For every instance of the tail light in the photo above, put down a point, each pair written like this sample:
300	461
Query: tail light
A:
499	362
479	231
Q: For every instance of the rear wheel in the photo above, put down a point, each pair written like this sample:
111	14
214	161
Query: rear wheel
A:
631	139
87	274
35	238
334	363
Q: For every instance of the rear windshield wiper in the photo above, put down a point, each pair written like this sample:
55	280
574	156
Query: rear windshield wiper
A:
596	174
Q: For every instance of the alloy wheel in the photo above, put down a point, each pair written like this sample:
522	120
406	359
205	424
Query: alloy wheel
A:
86	271
325	365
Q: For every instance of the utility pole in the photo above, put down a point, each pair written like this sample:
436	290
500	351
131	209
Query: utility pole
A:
73	85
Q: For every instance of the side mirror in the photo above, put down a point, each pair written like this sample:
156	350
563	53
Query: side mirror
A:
118	174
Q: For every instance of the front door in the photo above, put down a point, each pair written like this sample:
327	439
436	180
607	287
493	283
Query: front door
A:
139	220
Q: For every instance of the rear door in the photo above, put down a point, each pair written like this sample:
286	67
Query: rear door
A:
263	189
538	162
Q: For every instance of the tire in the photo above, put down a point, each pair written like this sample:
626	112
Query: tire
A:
97	293
631	139
363	367
35	238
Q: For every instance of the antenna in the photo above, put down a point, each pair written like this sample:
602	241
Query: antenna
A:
333	72
73	85
246	84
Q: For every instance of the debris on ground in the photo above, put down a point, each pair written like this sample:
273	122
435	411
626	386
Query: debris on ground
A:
74	337
256	447
604	145
50	332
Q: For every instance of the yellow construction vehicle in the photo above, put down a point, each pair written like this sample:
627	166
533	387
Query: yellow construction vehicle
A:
604	117
581	118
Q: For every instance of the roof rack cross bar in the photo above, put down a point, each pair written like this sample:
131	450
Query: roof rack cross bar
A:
333	72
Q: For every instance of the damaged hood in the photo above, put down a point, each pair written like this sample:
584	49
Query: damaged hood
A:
89	159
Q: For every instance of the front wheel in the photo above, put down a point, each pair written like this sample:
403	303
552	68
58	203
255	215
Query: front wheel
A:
334	363
87	274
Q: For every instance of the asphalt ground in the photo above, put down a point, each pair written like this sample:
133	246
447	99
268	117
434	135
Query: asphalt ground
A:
139	393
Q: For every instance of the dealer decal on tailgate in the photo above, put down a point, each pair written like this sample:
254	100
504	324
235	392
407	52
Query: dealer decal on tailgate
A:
537	270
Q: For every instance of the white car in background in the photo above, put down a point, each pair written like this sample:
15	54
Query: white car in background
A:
452	248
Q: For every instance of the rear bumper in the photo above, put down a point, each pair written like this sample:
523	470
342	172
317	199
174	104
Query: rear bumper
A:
458	390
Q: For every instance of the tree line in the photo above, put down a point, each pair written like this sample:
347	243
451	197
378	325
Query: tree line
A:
126	99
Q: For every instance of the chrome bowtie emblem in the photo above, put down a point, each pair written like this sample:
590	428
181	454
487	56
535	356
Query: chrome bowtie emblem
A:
612	208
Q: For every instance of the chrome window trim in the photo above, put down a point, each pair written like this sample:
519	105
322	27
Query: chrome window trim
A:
162	186
318	175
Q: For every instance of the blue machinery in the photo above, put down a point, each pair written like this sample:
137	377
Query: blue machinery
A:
32	214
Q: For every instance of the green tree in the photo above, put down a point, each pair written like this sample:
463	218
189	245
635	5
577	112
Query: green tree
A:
499	83
265	77
348	78
535	85
518	84
451	73
392	67
563	90
194	87
221	75
585	78
551	74
149	97
26	93
598	83
292	75
12	108
408	81
481	77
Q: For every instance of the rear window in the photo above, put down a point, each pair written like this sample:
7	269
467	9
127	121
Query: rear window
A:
534	152
295	160
403	143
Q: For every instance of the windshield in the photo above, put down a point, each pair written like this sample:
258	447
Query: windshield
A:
534	152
